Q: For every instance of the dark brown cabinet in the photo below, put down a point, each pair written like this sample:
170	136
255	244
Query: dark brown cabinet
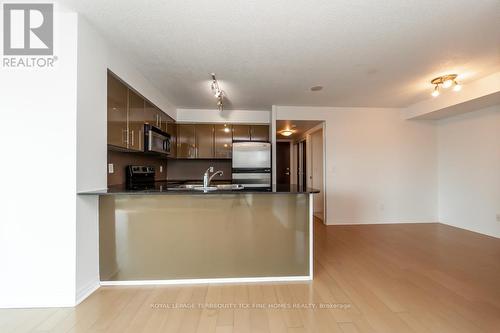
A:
150	114
259	133
223	140
186	141
172	130
117	113
250	133
241	132
135	121
204	140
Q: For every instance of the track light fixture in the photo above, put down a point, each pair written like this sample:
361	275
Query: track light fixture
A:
218	92
445	81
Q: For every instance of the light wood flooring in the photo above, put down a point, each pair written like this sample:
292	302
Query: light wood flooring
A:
378	278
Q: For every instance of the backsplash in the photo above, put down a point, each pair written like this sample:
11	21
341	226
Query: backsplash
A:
194	169
121	159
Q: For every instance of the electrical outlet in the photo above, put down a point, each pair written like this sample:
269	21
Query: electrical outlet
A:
161	168
111	168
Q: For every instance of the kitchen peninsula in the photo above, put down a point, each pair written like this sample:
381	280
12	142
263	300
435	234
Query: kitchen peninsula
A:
166	235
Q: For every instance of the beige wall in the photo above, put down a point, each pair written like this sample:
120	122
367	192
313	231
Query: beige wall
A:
380	168
469	171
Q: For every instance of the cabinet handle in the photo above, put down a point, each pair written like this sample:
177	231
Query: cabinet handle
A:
140	139
132	137
125	136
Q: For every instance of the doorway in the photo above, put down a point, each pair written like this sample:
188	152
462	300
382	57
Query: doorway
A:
283	162
300	158
315	171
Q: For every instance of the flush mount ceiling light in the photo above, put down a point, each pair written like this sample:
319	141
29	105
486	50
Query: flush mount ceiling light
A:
316	88
287	132
445	81
218	92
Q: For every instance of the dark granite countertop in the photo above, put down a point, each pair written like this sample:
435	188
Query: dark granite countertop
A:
171	188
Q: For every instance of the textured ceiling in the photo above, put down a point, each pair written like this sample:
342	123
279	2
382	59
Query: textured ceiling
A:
364	53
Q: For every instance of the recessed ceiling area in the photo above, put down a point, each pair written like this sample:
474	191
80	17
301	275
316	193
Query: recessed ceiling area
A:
298	128
363	53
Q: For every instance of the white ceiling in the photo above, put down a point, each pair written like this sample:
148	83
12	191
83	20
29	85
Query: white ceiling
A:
265	52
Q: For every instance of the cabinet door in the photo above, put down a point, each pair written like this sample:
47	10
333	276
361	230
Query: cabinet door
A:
186	141
259	133
172	130
223	140
204	141
241	132
150	116
117	113
135	121
162	120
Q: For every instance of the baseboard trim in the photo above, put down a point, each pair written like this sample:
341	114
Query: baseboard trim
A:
206	281
384	222
86	291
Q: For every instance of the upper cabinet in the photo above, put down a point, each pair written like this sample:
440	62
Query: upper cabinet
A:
259	133
241	132
250	133
150	114
117	113
128	111
172	130
186	141
135	121
223	141
204	140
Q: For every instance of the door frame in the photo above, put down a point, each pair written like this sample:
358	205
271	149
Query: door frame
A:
307	134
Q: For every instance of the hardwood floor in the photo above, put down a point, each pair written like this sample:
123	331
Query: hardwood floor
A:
376	278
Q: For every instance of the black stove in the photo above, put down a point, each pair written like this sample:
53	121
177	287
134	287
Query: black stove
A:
140	177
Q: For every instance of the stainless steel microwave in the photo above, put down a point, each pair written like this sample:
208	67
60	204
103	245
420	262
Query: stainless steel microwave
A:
156	141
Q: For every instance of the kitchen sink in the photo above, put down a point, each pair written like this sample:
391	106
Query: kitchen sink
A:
229	187
199	187
205	189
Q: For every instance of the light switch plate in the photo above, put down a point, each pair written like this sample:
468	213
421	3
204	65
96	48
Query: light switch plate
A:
161	168
111	168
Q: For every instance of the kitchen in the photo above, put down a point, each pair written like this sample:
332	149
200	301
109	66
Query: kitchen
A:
252	153
204	189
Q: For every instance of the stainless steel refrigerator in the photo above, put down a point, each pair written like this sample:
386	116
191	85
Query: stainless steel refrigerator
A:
252	164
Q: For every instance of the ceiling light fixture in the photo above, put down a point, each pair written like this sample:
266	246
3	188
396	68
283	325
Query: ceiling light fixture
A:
286	132
218	92
316	88
445	81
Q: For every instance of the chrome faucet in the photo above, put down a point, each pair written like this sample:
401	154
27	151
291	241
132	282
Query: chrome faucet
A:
207	178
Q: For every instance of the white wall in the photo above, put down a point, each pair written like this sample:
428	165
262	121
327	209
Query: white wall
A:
53	131
95	56
38	179
379	167
229	116
469	170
